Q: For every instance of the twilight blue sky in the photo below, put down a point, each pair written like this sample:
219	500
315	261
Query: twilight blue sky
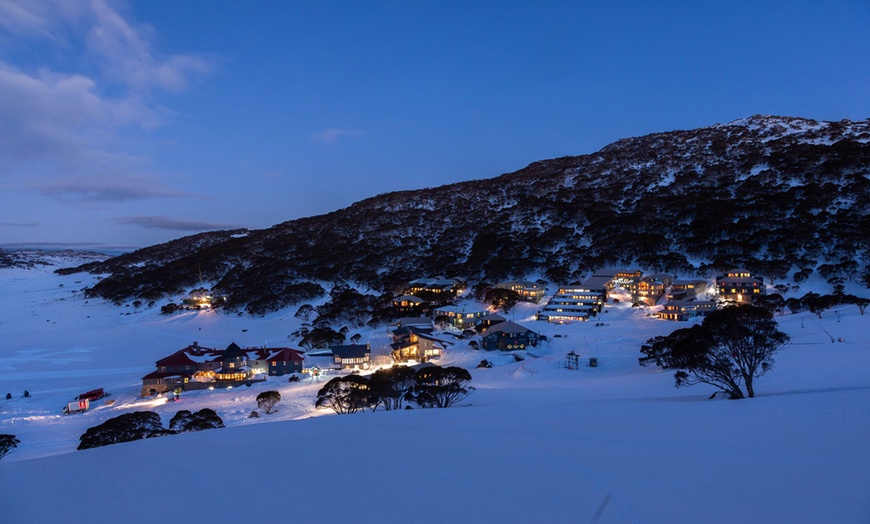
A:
124	124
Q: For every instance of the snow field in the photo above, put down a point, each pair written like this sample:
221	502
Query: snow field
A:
534	443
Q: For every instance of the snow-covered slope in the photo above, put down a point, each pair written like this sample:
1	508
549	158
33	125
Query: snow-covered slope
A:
534	443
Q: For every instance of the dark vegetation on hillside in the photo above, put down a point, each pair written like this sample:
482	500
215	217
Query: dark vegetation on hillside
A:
781	197
146	424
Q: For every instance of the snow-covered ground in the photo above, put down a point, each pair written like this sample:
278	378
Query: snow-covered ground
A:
534	443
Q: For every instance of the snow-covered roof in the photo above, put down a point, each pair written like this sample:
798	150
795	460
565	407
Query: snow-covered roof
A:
507	326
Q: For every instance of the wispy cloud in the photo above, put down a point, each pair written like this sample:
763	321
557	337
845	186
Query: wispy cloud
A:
20	224
58	128
102	189
173	224
331	135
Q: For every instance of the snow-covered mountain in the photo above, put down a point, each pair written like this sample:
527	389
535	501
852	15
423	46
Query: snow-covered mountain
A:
772	194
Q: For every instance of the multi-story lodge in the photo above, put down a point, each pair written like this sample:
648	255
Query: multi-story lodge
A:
611	278
508	336
440	285
527	290
354	356
417	344
407	303
686	289
198	367
740	285
646	290
460	317
489	321
575	302
681	310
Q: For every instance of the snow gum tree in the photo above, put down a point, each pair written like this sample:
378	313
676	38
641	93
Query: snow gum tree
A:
438	387
347	394
390	386
267	401
729	349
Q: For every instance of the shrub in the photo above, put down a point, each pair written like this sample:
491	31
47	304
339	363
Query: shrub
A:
123	428
184	421
7	444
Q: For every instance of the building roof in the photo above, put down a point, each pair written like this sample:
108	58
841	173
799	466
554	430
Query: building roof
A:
687	281
408	298
739	280
414	321
596	282
408	330
165	374
177	359
528	284
492	317
507	327
351	351
457	309
612	272
437	281
234	351
287	355
687	303
436	339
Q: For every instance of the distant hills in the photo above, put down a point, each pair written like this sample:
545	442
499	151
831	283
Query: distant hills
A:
30	258
775	195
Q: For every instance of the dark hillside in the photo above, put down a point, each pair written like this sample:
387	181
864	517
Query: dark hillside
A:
772	194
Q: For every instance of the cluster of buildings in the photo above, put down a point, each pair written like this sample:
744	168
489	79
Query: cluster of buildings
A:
413	339
199	367
584	300
196	367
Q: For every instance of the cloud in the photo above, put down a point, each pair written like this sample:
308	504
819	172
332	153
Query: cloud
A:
173	224
28	223
331	135
103	189
64	130
126	53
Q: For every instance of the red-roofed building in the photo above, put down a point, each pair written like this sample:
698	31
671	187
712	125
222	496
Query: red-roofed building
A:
285	361
197	367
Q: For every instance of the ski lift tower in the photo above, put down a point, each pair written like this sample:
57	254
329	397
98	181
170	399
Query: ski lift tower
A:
573	361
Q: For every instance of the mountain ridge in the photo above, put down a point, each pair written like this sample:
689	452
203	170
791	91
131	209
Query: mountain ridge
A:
770	193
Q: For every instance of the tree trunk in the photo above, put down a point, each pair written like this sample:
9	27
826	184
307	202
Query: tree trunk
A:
750	391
